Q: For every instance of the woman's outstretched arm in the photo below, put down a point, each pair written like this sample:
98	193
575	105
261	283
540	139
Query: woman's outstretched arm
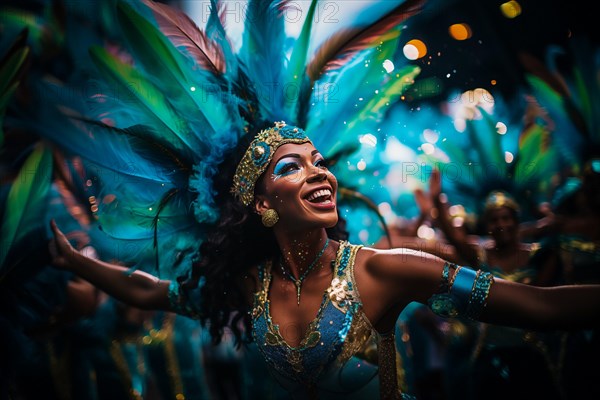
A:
138	289
533	307
402	276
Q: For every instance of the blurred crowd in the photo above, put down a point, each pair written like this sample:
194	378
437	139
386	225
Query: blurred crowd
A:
462	359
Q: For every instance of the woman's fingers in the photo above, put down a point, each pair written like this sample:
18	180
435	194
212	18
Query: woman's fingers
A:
59	236
57	232
435	183
59	246
423	201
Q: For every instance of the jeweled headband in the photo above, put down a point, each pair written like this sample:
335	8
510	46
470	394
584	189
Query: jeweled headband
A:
499	199
259	154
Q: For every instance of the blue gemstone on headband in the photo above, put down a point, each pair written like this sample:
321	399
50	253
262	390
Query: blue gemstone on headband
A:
292	132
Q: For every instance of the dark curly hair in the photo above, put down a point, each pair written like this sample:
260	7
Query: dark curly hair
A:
235	245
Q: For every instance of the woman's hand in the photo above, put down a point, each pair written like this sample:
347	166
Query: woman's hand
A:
427	201
424	202
435	184
61	251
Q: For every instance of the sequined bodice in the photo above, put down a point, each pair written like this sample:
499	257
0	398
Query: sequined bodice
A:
327	333
580	256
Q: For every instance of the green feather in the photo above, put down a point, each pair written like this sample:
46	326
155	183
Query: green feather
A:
536	160
545	92
4	98
486	141
26	202
495	153
11	67
20	19
149	97
296	71
584	99
164	64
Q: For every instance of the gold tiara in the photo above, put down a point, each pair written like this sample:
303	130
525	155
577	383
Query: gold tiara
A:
497	199
259	154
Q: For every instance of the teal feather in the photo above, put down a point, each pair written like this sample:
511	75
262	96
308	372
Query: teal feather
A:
263	56
296	69
119	153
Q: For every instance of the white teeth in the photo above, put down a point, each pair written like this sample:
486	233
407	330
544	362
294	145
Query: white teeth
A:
319	193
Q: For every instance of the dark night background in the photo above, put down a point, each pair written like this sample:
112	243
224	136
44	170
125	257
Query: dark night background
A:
493	51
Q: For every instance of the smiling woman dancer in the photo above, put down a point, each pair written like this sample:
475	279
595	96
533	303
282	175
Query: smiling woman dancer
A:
313	303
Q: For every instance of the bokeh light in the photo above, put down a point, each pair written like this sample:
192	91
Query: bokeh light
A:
501	128
388	65
368	140
460	31
510	9
414	49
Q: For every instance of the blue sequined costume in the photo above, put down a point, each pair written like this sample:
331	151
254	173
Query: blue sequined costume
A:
336	358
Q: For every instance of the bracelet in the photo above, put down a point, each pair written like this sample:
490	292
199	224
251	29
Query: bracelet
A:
467	292
442	303
462	287
458	268
445	284
479	294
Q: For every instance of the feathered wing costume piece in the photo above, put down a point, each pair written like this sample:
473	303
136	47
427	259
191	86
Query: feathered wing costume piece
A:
571	97
169	100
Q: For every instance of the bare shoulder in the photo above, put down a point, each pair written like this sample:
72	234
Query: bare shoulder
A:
402	275
396	262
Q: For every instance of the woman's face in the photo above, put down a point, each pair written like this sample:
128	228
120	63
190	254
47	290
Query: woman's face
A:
502	225
298	185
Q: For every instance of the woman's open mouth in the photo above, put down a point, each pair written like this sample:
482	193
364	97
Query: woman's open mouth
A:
321	198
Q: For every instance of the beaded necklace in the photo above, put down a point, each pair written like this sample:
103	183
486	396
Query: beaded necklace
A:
298	282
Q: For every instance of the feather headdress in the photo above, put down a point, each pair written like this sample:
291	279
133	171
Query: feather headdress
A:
170	100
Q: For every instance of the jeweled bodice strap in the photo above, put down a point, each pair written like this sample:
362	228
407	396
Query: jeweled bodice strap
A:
332	329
